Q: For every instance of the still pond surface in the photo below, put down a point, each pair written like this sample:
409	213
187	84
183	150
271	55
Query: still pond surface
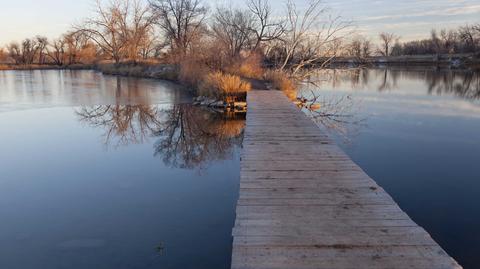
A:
417	133
105	172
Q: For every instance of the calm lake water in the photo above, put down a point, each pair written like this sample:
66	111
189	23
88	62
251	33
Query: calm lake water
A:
417	133
106	172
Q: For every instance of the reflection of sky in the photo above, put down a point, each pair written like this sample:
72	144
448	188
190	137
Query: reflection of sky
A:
409	19
68	202
385	104
71	202
47	88
407	94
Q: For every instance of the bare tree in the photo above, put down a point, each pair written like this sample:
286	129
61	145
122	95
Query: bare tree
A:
387	40
264	26
41	47
232	28
74	42
29	50
465	39
436	42
448	40
138	29
366	48
56	52
106	30
151	46
24	53
3	55
467	35
79	48
312	36
180	20
397	49
354	48
15	52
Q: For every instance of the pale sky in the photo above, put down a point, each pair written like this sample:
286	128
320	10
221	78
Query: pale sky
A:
409	19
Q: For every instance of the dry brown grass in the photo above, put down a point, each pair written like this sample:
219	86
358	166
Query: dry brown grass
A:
228	87
281	81
250	67
28	67
139	69
192	73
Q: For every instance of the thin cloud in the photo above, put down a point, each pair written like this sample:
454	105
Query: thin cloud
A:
455	11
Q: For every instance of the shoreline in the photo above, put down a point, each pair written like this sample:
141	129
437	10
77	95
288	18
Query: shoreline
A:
453	61
166	72
141	70
170	72
14	67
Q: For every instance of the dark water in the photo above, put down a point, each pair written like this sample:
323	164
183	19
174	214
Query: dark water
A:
417	133
106	172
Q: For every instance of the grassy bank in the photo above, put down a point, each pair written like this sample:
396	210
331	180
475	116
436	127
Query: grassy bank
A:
5	67
144	70
452	60
229	84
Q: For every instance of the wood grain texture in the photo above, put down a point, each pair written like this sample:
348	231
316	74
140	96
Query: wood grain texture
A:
304	203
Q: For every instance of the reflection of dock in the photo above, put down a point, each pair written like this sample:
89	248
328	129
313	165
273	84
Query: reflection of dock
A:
305	204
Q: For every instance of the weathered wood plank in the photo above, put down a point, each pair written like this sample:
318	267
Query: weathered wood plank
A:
342	257
304	203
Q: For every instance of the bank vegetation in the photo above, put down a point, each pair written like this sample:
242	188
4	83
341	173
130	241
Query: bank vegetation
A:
222	51
217	51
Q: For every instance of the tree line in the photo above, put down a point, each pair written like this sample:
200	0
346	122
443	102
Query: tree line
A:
132	30
465	39
176	30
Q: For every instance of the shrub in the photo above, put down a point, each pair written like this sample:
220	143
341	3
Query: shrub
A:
281	81
192	73
139	69
249	67
230	88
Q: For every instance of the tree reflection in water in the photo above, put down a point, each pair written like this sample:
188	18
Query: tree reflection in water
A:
460	83
123	124
340	111
187	136
192	136
464	84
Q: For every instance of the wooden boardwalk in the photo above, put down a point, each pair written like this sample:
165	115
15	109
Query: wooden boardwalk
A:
304	203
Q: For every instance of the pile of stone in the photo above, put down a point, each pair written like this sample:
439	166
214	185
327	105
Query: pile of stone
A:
219	104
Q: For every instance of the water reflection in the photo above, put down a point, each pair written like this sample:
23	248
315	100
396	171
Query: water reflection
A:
460	83
185	136
192	136
40	88
123	124
419	142
65	204
130	111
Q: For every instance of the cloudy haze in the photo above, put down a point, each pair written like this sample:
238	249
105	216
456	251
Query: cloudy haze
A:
409	19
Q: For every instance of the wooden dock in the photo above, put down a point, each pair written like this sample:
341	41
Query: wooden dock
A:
305	204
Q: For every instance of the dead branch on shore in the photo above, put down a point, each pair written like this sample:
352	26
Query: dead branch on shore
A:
337	113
